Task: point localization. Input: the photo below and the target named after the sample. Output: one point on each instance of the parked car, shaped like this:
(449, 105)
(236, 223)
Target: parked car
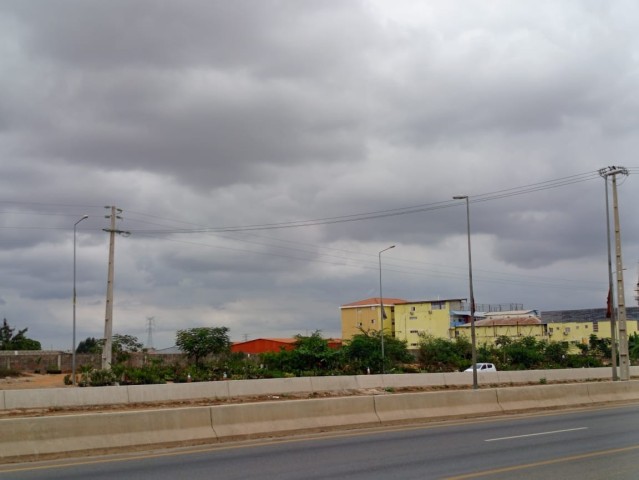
(483, 367)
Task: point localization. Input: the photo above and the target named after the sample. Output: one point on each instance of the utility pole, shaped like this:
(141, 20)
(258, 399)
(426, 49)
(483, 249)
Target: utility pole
(108, 318)
(610, 307)
(624, 362)
(150, 323)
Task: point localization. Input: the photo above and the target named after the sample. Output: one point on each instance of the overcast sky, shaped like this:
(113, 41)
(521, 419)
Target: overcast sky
(264, 152)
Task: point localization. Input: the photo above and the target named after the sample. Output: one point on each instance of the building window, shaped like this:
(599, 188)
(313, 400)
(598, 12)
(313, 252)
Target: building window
(413, 331)
(373, 320)
(438, 305)
(412, 309)
(595, 326)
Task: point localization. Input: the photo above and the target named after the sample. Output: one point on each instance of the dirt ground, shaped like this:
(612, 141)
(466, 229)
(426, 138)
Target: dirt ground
(33, 380)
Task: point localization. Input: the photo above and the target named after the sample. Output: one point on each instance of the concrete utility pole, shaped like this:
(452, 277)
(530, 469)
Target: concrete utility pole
(624, 361)
(150, 323)
(610, 307)
(108, 318)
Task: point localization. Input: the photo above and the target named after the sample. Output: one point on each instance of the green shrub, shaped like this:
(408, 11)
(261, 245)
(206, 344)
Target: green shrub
(9, 372)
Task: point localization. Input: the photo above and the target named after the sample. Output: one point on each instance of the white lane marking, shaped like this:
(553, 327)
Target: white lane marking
(535, 434)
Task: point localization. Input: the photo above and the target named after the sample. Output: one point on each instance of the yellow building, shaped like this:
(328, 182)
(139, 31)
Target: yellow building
(365, 316)
(428, 317)
(513, 324)
(572, 326)
(408, 320)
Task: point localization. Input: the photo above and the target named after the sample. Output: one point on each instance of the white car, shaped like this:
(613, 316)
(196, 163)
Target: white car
(483, 367)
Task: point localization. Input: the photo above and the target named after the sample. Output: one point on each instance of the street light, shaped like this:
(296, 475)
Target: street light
(381, 303)
(472, 298)
(75, 225)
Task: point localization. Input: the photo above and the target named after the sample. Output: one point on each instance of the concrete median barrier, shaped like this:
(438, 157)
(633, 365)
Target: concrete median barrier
(177, 391)
(27, 437)
(415, 406)
(269, 386)
(542, 396)
(293, 415)
(613, 391)
(65, 397)
(339, 383)
(414, 380)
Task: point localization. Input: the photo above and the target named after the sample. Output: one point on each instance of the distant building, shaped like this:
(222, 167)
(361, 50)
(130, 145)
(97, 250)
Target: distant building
(427, 317)
(573, 326)
(492, 325)
(365, 315)
(578, 325)
(450, 318)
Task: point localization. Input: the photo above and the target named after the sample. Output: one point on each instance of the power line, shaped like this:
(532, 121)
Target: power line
(510, 192)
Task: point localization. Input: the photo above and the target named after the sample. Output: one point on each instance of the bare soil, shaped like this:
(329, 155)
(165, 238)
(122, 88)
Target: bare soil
(33, 380)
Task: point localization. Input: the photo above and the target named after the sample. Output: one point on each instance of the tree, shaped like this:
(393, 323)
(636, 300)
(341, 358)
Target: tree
(311, 356)
(18, 341)
(442, 355)
(199, 342)
(90, 345)
(363, 352)
(123, 345)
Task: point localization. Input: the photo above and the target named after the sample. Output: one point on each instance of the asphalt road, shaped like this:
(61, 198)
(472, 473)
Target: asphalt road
(586, 444)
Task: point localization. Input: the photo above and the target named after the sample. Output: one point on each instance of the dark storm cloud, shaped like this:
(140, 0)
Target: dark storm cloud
(203, 85)
(202, 114)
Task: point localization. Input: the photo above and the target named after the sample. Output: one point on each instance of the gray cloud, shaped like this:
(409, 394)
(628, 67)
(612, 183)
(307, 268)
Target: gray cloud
(224, 114)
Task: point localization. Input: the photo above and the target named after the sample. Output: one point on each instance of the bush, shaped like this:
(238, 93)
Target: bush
(97, 378)
(9, 372)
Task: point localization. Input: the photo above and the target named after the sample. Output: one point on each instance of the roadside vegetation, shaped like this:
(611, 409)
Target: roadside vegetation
(12, 340)
(208, 357)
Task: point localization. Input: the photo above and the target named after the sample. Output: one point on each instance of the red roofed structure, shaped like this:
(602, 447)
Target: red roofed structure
(274, 345)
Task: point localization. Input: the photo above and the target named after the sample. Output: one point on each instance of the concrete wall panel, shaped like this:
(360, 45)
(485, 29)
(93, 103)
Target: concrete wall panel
(414, 380)
(65, 397)
(543, 396)
(69, 433)
(269, 386)
(276, 417)
(334, 384)
(415, 406)
(613, 391)
(178, 391)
